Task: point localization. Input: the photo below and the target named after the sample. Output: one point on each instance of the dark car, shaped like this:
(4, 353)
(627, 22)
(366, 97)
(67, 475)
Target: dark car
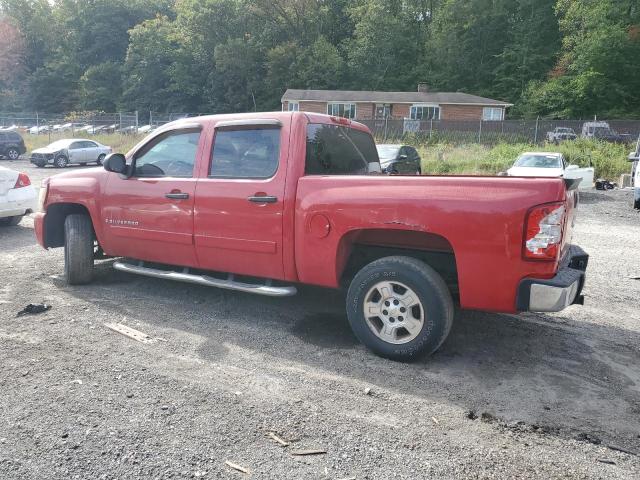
(399, 159)
(11, 145)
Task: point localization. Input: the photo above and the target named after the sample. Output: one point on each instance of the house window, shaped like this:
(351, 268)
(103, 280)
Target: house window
(347, 110)
(293, 107)
(425, 112)
(495, 114)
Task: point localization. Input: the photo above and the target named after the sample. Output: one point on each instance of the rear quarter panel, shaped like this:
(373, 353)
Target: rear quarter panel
(482, 218)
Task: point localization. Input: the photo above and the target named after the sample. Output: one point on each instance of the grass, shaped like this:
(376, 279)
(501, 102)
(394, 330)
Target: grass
(609, 160)
(119, 143)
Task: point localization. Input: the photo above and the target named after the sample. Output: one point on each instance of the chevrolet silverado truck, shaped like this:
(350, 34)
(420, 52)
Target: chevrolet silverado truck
(262, 202)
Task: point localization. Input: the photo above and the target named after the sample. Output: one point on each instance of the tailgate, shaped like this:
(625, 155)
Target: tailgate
(571, 203)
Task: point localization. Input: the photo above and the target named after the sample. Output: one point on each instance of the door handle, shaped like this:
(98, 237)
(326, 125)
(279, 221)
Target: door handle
(177, 196)
(263, 199)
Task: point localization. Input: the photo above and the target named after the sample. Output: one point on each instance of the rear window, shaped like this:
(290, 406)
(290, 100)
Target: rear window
(337, 150)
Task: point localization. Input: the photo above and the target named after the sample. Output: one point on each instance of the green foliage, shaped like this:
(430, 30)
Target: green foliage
(557, 58)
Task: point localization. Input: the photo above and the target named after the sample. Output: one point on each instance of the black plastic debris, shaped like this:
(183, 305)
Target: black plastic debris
(34, 309)
(602, 184)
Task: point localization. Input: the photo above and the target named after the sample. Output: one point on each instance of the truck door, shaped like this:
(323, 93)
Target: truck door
(238, 224)
(149, 215)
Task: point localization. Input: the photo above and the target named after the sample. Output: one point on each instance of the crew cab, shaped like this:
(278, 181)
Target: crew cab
(262, 202)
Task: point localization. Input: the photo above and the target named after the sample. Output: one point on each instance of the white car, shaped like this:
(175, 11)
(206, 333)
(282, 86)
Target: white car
(17, 196)
(550, 164)
(74, 150)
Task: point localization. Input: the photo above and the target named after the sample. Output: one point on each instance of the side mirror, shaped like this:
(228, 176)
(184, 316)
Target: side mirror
(116, 163)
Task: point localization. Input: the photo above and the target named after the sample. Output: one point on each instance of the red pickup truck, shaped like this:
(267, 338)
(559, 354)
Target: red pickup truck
(261, 202)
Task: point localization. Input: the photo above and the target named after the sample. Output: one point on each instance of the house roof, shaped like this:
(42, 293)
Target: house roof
(450, 98)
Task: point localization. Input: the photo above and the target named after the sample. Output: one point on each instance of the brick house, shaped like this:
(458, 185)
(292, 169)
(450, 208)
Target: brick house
(420, 105)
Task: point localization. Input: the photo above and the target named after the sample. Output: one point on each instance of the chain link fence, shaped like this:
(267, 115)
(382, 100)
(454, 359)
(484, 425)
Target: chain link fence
(494, 132)
(70, 124)
(385, 130)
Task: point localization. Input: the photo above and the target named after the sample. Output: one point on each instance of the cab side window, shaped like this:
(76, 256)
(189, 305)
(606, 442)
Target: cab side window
(337, 150)
(76, 146)
(172, 154)
(246, 153)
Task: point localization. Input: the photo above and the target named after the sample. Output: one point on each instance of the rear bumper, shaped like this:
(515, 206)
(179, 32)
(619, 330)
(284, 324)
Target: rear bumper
(18, 201)
(557, 293)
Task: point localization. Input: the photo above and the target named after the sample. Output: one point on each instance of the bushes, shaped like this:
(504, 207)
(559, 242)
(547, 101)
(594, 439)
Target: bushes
(609, 160)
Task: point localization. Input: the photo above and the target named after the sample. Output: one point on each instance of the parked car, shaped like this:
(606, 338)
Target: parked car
(550, 164)
(75, 150)
(602, 131)
(399, 159)
(11, 145)
(288, 197)
(561, 134)
(37, 130)
(17, 196)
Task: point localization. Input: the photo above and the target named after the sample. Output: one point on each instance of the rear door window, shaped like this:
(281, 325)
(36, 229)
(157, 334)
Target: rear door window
(337, 150)
(246, 153)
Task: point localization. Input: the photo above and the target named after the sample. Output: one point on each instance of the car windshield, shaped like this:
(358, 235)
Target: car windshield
(538, 161)
(565, 130)
(387, 151)
(59, 144)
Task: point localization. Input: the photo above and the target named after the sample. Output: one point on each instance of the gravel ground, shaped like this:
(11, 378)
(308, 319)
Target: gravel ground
(555, 396)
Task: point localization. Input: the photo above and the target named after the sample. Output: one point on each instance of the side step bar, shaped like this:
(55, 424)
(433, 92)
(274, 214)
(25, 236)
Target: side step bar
(184, 276)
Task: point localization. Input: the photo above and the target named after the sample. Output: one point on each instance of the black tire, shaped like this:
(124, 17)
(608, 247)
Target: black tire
(13, 154)
(11, 221)
(636, 204)
(100, 159)
(419, 171)
(78, 249)
(60, 161)
(431, 291)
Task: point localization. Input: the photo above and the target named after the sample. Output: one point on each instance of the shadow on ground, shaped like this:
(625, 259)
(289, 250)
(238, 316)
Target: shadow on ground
(556, 372)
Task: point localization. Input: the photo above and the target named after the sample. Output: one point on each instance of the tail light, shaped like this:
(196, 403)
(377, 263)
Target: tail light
(543, 232)
(22, 181)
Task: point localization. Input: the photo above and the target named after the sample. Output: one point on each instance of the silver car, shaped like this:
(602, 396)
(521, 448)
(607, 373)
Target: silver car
(64, 152)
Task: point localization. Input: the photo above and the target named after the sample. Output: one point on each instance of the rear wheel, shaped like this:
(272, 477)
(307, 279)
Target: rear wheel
(400, 308)
(13, 154)
(11, 221)
(61, 161)
(78, 249)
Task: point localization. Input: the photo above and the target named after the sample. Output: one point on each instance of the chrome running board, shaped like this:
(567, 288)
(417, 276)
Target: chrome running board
(184, 276)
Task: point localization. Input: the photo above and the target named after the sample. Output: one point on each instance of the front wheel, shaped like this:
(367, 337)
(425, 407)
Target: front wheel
(78, 249)
(400, 308)
(61, 161)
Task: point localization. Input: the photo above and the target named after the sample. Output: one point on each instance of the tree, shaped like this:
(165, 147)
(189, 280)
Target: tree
(147, 70)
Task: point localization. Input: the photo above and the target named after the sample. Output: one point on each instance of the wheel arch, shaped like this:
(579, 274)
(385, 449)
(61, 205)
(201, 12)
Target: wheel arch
(54, 222)
(358, 248)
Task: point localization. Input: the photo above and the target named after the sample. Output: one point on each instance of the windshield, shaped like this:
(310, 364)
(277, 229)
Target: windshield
(538, 161)
(59, 144)
(387, 152)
